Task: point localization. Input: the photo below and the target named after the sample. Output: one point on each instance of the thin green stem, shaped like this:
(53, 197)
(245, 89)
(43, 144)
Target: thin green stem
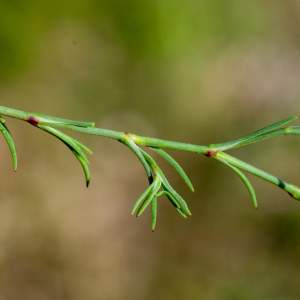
(138, 140)
(13, 113)
(117, 135)
(36, 118)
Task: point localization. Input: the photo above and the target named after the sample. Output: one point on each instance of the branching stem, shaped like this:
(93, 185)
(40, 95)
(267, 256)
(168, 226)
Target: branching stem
(157, 179)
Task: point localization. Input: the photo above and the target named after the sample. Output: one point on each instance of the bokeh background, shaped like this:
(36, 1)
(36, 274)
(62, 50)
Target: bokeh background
(192, 71)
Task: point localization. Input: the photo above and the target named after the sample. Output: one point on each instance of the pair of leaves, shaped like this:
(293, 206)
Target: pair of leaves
(291, 130)
(291, 189)
(137, 151)
(259, 135)
(75, 146)
(41, 119)
(244, 179)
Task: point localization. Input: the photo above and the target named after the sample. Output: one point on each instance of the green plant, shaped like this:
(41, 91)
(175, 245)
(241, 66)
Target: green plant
(158, 184)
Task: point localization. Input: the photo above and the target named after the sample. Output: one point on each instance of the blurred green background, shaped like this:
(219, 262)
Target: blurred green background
(192, 71)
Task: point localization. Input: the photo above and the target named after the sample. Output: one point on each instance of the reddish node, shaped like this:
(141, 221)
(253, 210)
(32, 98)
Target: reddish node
(33, 120)
(210, 153)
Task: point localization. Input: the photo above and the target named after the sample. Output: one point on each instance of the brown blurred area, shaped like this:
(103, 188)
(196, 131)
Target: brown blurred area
(192, 71)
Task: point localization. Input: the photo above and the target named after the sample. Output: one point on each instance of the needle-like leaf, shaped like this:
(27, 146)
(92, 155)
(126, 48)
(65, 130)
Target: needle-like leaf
(81, 146)
(137, 203)
(51, 121)
(66, 139)
(244, 178)
(137, 151)
(149, 197)
(74, 146)
(176, 166)
(154, 211)
(181, 212)
(291, 189)
(84, 166)
(9, 139)
(240, 141)
(174, 193)
(291, 130)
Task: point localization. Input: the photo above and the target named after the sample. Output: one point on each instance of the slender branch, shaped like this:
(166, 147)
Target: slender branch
(138, 140)
(156, 178)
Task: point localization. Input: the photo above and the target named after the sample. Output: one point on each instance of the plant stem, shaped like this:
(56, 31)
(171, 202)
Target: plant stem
(133, 141)
(14, 113)
(139, 140)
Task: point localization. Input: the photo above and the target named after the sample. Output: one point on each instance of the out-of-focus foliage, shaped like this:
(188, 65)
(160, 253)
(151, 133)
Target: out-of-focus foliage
(193, 71)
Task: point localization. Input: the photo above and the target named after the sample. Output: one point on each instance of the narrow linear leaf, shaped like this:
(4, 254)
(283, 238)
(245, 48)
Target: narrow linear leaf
(236, 143)
(81, 146)
(149, 160)
(69, 142)
(138, 152)
(11, 144)
(291, 130)
(66, 139)
(154, 211)
(51, 121)
(84, 166)
(175, 194)
(149, 197)
(181, 212)
(176, 166)
(291, 189)
(244, 178)
(137, 203)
